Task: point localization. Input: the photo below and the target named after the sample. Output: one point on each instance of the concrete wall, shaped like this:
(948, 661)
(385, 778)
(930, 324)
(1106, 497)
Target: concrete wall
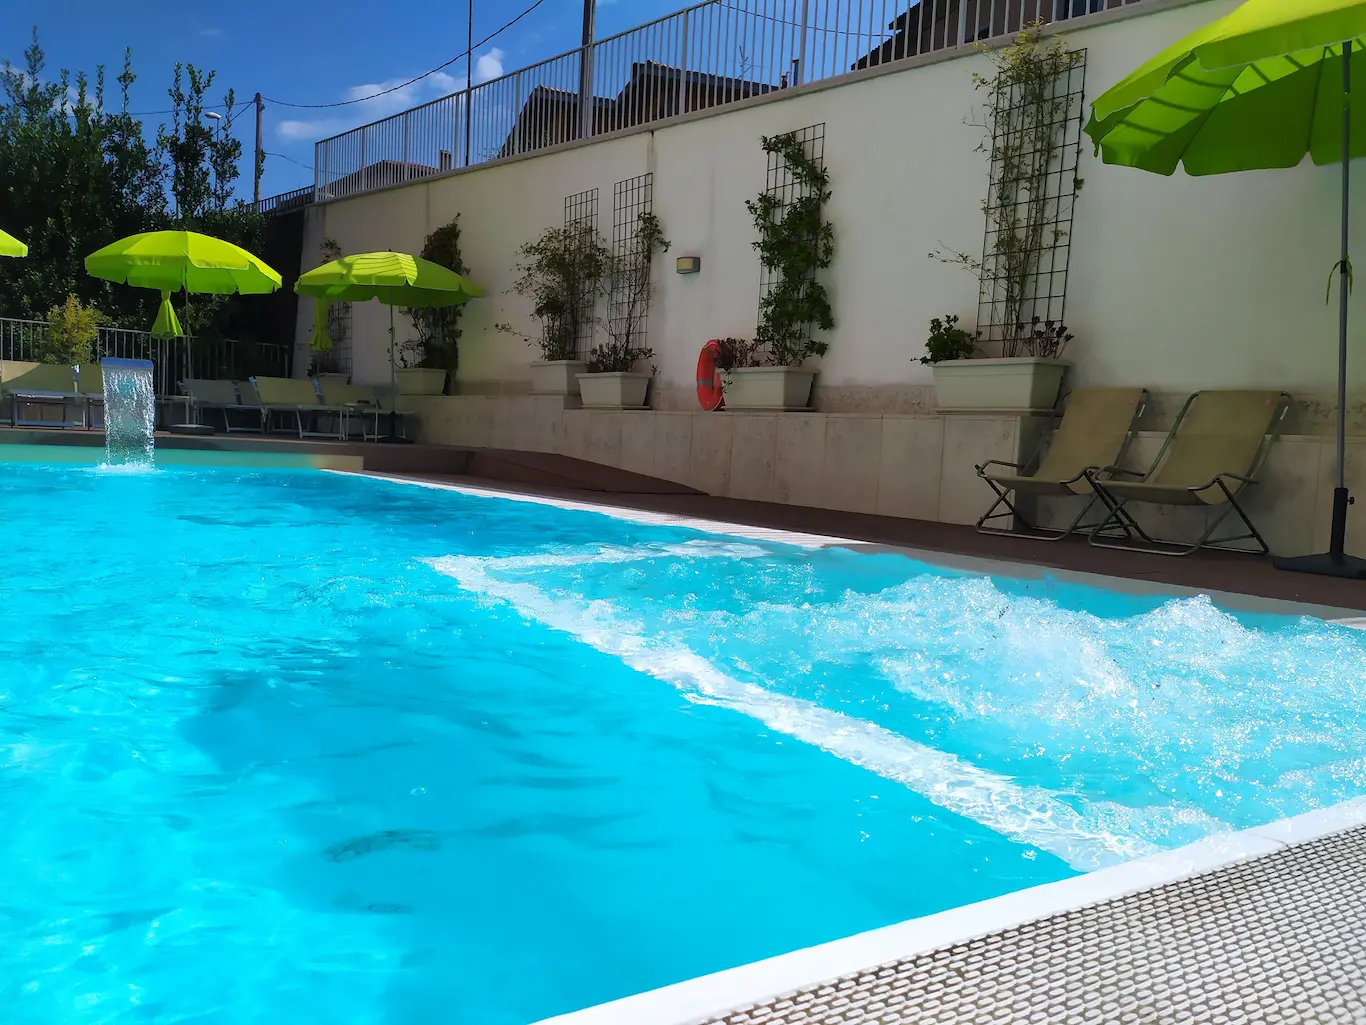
(918, 466)
(1176, 283)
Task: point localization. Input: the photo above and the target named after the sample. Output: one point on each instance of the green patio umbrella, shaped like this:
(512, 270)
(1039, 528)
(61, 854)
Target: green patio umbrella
(174, 261)
(11, 246)
(1259, 88)
(395, 279)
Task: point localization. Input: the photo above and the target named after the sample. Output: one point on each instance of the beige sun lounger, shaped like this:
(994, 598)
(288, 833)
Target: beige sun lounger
(44, 385)
(297, 397)
(1213, 452)
(364, 403)
(90, 386)
(1096, 428)
(205, 394)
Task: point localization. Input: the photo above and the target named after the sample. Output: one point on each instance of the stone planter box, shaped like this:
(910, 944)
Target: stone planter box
(557, 376)
(1018, 384)
(774, 388)
(613, 391)
(421, 381)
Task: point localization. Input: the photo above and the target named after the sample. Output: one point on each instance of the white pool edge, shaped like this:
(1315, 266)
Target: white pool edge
(711, 996)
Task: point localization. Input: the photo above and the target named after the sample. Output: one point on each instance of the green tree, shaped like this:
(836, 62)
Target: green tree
(76, 175)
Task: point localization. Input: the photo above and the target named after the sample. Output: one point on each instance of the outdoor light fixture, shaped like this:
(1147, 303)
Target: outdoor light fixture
(689, 264)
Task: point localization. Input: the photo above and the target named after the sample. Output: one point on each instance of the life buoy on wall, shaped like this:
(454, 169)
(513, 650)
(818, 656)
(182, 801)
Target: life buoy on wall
(709, 377)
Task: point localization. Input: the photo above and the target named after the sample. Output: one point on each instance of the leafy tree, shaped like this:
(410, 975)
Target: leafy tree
(76, 175)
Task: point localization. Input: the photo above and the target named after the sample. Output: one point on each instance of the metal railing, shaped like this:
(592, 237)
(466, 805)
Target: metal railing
(713, 53)
(286, 202)
(173, 359)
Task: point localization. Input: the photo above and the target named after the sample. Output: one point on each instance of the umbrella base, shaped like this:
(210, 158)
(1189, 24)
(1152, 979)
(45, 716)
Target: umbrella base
(1347, 567)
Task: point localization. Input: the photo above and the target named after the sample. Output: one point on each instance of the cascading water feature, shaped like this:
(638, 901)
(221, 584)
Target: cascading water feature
(130, 409)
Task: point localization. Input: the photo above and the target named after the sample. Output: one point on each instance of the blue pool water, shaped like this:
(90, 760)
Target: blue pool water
(297, 747)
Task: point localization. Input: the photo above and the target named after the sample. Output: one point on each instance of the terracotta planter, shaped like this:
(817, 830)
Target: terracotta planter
(767, 388)
(421, 381)
(1019, 384)
(557, 376)
(613, 391)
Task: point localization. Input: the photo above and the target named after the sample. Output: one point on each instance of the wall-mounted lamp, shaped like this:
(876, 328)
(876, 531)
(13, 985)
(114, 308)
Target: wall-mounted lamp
(688, 264)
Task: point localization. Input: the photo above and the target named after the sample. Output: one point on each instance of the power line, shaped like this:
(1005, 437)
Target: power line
(393, 89)
(306, 167)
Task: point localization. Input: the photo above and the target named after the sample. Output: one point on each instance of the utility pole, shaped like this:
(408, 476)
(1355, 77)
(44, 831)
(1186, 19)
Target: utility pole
(259, 159)
(586, 72)
(469, 80)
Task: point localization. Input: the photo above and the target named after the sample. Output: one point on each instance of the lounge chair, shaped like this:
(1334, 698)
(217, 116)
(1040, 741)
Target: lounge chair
(388, 402)
(298, 398)
(45, 385)
(90, 386)
(1215, 449)
(356, 402)
(204, 395)
(1096, 428)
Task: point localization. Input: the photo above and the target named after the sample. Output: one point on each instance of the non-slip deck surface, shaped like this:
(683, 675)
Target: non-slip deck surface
(1278, 939)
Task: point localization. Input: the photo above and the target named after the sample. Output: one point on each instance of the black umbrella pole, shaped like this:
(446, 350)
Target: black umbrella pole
(1337, 562)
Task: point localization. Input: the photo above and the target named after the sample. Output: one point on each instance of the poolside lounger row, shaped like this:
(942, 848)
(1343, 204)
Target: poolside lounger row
(1213, 452)
(327, 409)
(30, 387)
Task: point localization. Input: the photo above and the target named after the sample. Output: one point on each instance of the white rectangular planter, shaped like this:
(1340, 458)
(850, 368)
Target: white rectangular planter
(557, 377)
(420, 381)
(613, 391)
(767, 388)
(1017, 384)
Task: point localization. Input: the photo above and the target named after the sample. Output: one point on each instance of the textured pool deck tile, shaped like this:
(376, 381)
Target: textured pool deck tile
(1276, 939)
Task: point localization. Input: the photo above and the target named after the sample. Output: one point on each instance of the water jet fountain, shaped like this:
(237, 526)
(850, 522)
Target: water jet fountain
(130, 412)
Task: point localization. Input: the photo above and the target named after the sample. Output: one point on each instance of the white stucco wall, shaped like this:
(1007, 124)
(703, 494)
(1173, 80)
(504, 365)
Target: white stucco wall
(1176, 283)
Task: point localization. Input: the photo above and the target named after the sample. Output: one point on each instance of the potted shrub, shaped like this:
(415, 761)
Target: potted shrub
(1027, 378)
(428, 361)
(795, 243)
(1029, 100)
(611, 380)
(562, 273)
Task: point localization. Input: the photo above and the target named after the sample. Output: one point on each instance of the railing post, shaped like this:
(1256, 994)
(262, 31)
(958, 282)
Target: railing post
(586, 72)
(681, 107)
(799, 73)
(962, 22)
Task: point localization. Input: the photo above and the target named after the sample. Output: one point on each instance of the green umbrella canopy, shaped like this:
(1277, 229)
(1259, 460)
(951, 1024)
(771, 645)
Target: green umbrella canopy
(1259, 88)
(395, 279)
(11, 246)
(170, 261)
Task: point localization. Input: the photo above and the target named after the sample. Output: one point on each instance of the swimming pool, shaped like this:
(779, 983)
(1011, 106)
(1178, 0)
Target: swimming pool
(295, 746)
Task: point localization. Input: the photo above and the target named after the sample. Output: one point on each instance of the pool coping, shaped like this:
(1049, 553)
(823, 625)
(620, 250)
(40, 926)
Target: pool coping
(708, 997)
(1017, 570)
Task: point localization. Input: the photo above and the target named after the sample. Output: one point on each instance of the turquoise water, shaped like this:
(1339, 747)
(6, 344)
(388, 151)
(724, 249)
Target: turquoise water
(291, 746)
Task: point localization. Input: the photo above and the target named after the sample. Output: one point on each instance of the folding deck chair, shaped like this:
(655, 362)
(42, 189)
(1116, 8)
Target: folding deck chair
(1215, 450)
(1096, 429)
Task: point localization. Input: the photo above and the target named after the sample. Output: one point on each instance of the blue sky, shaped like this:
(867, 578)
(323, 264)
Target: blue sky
(295, 52)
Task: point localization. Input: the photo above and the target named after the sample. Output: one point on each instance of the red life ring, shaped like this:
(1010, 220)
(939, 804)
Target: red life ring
(709, 377)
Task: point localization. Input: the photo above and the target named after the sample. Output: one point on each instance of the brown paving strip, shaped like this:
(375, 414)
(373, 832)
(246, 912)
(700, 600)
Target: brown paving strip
(1208, 571)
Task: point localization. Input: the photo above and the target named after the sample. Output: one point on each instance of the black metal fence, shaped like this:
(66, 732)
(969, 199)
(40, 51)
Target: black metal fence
(173, 359)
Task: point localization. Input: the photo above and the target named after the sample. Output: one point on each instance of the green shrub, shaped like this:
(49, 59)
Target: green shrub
(72, 330)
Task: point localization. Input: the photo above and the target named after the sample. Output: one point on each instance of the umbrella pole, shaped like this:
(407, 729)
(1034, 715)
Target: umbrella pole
(393, 380)
(1340, 497)
(1336, 562)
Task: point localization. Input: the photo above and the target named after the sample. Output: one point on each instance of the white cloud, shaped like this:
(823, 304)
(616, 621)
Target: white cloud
(304, 131)
(489, 66)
